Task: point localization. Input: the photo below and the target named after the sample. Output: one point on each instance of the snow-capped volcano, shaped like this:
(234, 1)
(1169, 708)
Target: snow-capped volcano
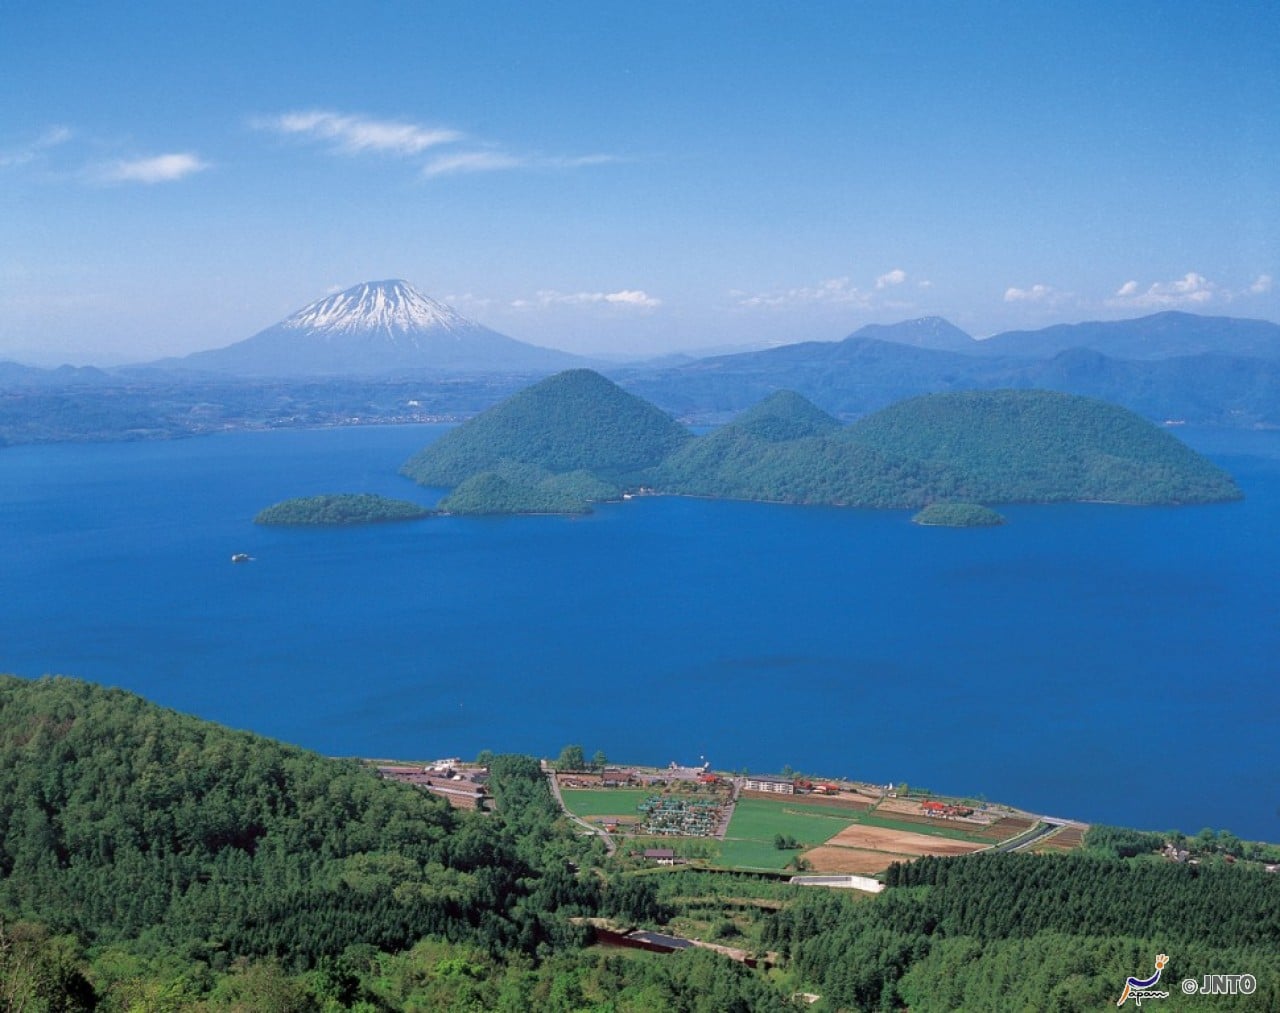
(378, 327)
(390, 307)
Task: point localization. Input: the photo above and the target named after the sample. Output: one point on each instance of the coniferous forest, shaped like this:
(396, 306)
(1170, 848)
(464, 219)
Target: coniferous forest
(153, 861)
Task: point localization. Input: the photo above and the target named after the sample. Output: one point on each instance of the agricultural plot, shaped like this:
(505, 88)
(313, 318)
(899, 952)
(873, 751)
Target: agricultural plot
(851, 861)
(901, 842)
(589, 802)
(1003, 829)
(749, 842)
(1066, 839)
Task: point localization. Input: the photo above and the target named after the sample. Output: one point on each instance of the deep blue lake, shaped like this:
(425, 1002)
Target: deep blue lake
(1105, 663)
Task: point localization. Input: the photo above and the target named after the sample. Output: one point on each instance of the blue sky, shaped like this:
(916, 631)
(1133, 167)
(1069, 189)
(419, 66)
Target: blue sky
(631, 179)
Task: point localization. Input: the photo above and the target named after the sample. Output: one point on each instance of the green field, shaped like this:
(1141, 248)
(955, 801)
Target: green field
(586, 802)
(756, 821)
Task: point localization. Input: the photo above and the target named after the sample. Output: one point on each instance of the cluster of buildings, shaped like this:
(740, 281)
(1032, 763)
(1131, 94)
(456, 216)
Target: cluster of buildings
(944, 810)
(462, 788)
(788, 785)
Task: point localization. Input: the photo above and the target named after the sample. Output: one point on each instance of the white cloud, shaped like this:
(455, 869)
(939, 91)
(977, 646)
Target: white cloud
(157, 169)
(895, 277)
(1261, 284)
(470, 161)
(352, 134)
(468, 300)
(494, 161)
(1034, 294)
(355, 135)
(51, 138)
(628, 297)
(1191, 289)
(833, 290)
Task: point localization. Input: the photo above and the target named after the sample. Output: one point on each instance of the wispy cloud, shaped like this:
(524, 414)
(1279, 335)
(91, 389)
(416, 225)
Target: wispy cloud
(156, 169)
(1261, 284)
(496, 161)
(354, 135)
(633, 298)
(470, 161)
(839, 291)
(833, 290)
(1191, 289)
(29, 152)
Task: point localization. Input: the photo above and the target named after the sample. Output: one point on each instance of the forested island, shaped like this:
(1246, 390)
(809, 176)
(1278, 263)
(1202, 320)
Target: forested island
(150, 860)
(958, 515)
(340, 510)
(576, 438)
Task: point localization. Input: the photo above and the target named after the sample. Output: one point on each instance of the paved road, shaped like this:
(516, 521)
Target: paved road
(610, 844)
(1027, 839)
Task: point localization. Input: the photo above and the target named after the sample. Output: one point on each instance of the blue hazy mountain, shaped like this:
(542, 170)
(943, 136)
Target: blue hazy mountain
(1159, 336)
(1171, 365)
(923, 332)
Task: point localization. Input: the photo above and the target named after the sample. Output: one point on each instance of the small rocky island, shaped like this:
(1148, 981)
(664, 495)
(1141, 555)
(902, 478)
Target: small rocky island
(958, 515)
(340, 510)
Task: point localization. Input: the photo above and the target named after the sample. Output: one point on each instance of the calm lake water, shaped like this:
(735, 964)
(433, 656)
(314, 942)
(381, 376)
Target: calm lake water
(1105, 663)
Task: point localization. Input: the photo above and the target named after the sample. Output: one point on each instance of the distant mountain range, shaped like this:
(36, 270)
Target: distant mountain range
(1214, 370)
(1167, 366)
(375, 328)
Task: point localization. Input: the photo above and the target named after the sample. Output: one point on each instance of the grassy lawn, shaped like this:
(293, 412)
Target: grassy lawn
(605, 801)
(755, 823)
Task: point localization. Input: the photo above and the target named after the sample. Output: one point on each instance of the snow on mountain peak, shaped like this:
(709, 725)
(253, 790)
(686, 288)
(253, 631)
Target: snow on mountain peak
(388, 307)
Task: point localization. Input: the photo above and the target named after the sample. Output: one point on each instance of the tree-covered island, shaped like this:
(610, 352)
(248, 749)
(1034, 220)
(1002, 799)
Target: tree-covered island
(958, 515)
(340, 510)
(577, 439)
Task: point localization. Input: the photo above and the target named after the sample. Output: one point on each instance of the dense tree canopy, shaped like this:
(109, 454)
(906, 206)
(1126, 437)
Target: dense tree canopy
(576, 439)
(339, 509)
(573, 421)
(149, 860)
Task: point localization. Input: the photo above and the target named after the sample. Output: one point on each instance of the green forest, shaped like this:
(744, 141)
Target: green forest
(573, 421)
(153, 861)
(340, 509)
(978, 447)
(527, 489)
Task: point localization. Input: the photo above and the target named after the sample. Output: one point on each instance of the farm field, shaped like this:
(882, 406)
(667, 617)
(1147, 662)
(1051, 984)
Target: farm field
(851, 861)
(756, 822)
(928, 827)
(1066, 839)
(1003, 829)
(901, 842)
(587, 802)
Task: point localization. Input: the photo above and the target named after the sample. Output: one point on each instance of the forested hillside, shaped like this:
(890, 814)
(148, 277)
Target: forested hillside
(152, 861)
(576, 439)
(1040, 446)
(119, 819)
(572, 421)
(1014, 931)
(339, 510)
